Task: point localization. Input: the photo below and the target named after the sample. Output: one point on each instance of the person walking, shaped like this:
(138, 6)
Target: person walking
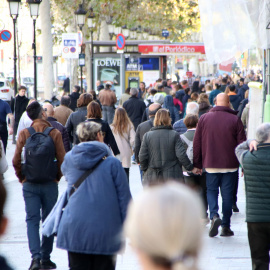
(163, 226)
(134, 107)
(217, 135)
(74, 96)
(195, 181)
(107, 99)
(192, 108)
(94, 115)
(124, 97)
(48, 108)
(66, 85)
(142, 129)
(5, 112)
(43, 155)
(234, 98)
(95, 240)
(77, 117)
(18, 106)
(124, 134)
(204, 104)
(162, 153)
(62, 112)
(254, 157)
(169, 104)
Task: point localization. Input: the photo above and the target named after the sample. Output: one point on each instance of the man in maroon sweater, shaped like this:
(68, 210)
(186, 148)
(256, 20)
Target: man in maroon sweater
(217, 135)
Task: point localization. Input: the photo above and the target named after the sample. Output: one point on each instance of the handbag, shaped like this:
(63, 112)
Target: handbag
(3, 159)
(51, 224)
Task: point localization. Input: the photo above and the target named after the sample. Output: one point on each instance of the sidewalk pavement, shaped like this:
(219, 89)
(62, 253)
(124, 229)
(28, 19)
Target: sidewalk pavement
(217, 253)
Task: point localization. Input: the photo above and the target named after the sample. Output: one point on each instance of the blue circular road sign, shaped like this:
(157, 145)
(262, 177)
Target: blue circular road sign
(5, 35)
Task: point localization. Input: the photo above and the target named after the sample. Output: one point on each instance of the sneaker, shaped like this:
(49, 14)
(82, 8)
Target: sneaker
(216, 222)
(35, 264)
(235, 208)
(226, 232)
(47, 265)
(134, 162)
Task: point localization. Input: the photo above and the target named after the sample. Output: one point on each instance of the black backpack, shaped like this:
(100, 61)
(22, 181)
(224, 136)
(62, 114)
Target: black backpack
(40, 164)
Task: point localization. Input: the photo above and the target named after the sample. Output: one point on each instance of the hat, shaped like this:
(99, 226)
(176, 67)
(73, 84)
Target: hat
(159, 98)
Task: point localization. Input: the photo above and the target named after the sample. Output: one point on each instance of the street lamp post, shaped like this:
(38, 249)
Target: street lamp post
(14, 6)
(34, 12)
(91, 25)
(80, 18)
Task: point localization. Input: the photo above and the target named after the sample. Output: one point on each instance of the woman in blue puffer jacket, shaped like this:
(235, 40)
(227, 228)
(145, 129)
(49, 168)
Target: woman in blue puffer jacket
(92, 221)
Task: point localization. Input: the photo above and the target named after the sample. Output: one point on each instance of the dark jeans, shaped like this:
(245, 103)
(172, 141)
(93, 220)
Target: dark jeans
(259, 243)
(127, 173)
(226, 182)
(141, 173)
(198, 183)
(108, 114)
(79, 261)
(15, 129)
(4, 134)
(39, 197)
(235, 188)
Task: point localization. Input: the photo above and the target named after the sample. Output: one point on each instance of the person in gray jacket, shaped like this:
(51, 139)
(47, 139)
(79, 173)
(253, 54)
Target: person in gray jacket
(254, 157)
(162, 152)
(179, 126)
(142, 129)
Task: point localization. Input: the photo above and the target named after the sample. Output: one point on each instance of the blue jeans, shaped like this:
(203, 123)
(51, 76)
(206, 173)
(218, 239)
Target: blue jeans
(39, 197)
(108, 114)
(226, 182)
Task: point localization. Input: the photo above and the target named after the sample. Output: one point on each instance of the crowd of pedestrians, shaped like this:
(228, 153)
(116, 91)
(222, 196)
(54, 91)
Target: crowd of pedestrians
(173, 131)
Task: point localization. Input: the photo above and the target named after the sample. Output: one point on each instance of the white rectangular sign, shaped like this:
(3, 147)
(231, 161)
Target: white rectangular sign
(150, 77)
(70, 47)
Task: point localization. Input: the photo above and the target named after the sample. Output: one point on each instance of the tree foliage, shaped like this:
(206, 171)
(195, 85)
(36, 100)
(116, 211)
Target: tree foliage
(180, 17)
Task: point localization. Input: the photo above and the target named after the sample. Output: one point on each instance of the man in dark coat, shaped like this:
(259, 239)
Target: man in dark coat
(217, 135)
(257, 184)
(18, 106)
(134, 107)
(143, 128)
(63, 130)
(234, 98)
(74, 96)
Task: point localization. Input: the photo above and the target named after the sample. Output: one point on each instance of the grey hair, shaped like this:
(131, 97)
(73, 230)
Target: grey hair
(87, 131)
(263, 132)
(192, 108)
(134, 91)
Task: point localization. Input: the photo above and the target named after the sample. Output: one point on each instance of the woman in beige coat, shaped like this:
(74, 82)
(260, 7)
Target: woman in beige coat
(124, 134)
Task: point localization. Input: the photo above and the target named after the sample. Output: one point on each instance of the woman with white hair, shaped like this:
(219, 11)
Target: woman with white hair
(175, 239)
(93, 217)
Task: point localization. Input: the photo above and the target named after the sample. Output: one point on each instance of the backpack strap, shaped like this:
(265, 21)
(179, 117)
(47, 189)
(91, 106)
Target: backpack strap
(48, 130)
(31, 131)
(185, 139)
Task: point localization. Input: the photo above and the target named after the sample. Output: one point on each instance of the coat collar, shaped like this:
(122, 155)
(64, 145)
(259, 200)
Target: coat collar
(161, 127)
(263, 145)
(223, 109)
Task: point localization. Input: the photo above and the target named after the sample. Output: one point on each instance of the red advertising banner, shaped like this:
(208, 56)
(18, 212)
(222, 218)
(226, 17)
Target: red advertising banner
(172, 49)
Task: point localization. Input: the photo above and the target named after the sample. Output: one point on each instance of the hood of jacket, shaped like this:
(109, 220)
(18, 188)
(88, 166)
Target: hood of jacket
(86, 155)
(168, 101)
(234, 98)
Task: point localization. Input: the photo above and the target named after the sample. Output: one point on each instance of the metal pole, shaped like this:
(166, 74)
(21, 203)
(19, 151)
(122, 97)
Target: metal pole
(92, 63)
(35, 60)
(81, 75)
(15, 58)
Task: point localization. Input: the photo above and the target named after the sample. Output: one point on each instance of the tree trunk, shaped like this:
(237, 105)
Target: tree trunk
(47, 49)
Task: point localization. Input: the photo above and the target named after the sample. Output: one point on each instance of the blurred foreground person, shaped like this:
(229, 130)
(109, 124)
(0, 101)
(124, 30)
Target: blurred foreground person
(175, 239)
(92, 220)
(162, 153)
(3, 221)
(257, 184)
(124, 134)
